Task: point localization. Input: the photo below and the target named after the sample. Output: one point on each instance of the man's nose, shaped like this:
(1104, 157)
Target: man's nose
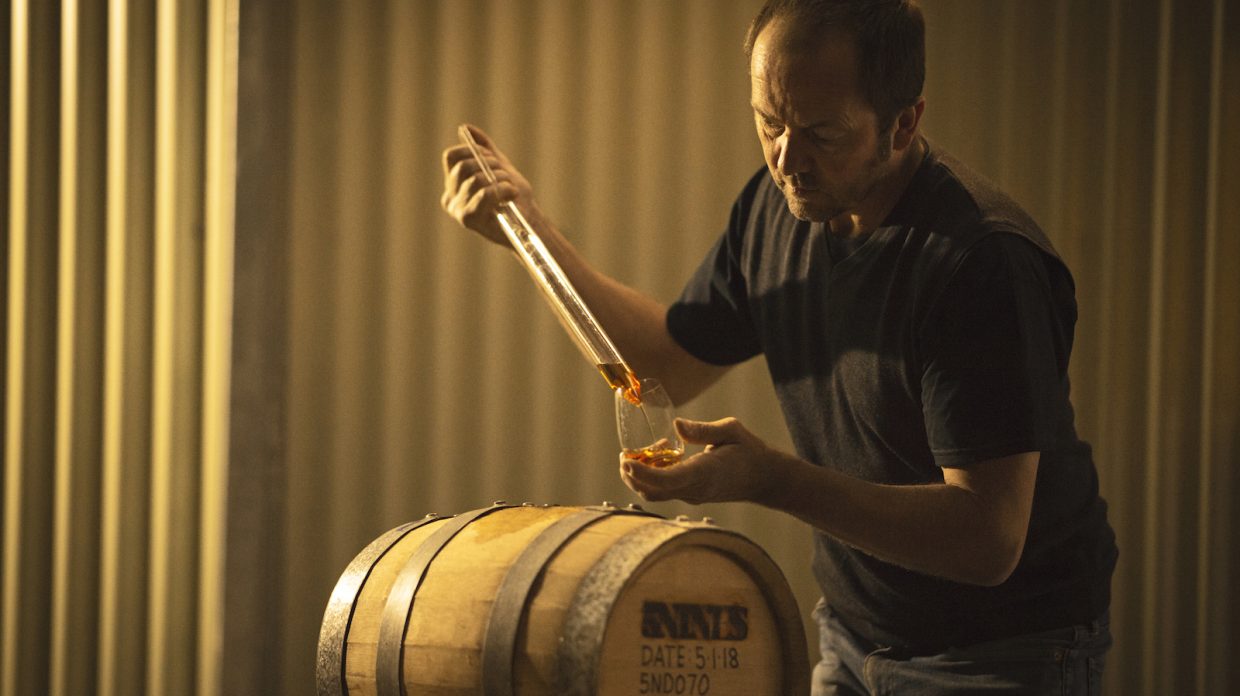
(793, 159)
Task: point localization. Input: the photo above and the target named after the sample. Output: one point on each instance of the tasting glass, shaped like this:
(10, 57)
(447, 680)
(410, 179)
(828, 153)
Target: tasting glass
(646, 431)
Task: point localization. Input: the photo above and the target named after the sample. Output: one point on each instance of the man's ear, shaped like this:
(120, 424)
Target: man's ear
(906, 125)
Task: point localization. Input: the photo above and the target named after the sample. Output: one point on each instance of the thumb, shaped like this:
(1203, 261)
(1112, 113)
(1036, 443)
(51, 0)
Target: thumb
(709, 433)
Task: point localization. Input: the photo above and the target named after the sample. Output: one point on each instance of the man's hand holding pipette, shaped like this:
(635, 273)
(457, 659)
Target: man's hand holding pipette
(634, 319)
(470, 197)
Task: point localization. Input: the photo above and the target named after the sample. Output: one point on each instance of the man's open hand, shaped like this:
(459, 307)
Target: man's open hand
(735, 466)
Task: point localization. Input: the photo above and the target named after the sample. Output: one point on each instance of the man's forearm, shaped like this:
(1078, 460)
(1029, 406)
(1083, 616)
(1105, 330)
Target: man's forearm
(938, 529)
(635, 322)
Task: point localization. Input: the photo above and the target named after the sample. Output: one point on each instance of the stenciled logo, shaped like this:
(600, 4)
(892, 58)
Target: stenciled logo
(688, 621)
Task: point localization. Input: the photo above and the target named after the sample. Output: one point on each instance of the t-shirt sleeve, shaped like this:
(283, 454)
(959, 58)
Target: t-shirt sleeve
(997, 344)
(711, 319)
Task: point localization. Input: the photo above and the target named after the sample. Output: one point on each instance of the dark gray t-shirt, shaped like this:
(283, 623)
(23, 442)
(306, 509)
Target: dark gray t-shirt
(941, 341)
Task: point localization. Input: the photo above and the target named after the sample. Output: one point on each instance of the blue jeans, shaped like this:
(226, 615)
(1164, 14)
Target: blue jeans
(1066, 661)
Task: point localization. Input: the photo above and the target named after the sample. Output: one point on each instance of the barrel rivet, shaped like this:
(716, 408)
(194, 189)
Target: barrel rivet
(708, 520)
(527, 504)
(634, 506)
(682, 518)
(431, 515)
(608, 504)
(499, 502)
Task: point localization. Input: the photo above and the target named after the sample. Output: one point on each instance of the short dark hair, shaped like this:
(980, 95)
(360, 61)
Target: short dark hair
(890, 40)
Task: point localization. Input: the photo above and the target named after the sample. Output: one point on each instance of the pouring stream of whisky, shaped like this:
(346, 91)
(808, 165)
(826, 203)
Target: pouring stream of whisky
(619, 376)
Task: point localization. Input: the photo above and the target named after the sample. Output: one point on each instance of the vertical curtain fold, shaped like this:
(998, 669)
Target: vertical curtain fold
(127, 351)
(222, 33)
(30, 373)
(75, 581)
(1217, 612)
(104, 372)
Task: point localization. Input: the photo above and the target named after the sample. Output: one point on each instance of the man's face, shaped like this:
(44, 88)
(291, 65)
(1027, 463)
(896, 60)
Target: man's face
(818, 134)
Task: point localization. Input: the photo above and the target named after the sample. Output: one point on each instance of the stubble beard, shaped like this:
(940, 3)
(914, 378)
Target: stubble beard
(831, 206)
(804, 209)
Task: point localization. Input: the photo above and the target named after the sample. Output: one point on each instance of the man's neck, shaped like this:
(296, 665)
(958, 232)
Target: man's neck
(879, 204)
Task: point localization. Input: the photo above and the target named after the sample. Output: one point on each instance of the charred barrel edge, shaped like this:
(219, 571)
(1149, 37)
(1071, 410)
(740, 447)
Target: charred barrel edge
(333, 637)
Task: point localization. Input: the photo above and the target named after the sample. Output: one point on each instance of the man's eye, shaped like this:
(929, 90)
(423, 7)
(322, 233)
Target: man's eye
(771, 127)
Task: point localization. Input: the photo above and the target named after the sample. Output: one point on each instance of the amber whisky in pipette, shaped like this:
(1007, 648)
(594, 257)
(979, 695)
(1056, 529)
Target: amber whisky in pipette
(619, 376)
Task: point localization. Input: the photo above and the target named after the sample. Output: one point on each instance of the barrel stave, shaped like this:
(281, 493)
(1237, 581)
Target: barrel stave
(631, 559)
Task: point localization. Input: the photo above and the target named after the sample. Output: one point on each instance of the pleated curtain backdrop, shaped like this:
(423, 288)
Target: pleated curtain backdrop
(117, 287)
(198, 441)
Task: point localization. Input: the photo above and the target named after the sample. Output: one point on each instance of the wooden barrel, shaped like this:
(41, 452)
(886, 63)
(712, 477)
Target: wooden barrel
(524, 599)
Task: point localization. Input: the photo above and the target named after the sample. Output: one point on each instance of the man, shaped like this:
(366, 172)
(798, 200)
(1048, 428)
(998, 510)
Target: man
(917, 325)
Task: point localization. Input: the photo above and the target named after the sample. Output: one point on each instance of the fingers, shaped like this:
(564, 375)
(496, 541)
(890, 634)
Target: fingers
(485, 141)
(460, 165)
(729, 468)
(479, 135)
(720, 432)
(467, 181)
(476, 209)
(466, 191)
(464, 179)
(644, 491)
(656, 484)
(636, 483)
(456, 153)
(469, 195)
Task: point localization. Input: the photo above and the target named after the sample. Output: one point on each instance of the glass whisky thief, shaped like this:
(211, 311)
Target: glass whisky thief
(644, 412)
(569, 308)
